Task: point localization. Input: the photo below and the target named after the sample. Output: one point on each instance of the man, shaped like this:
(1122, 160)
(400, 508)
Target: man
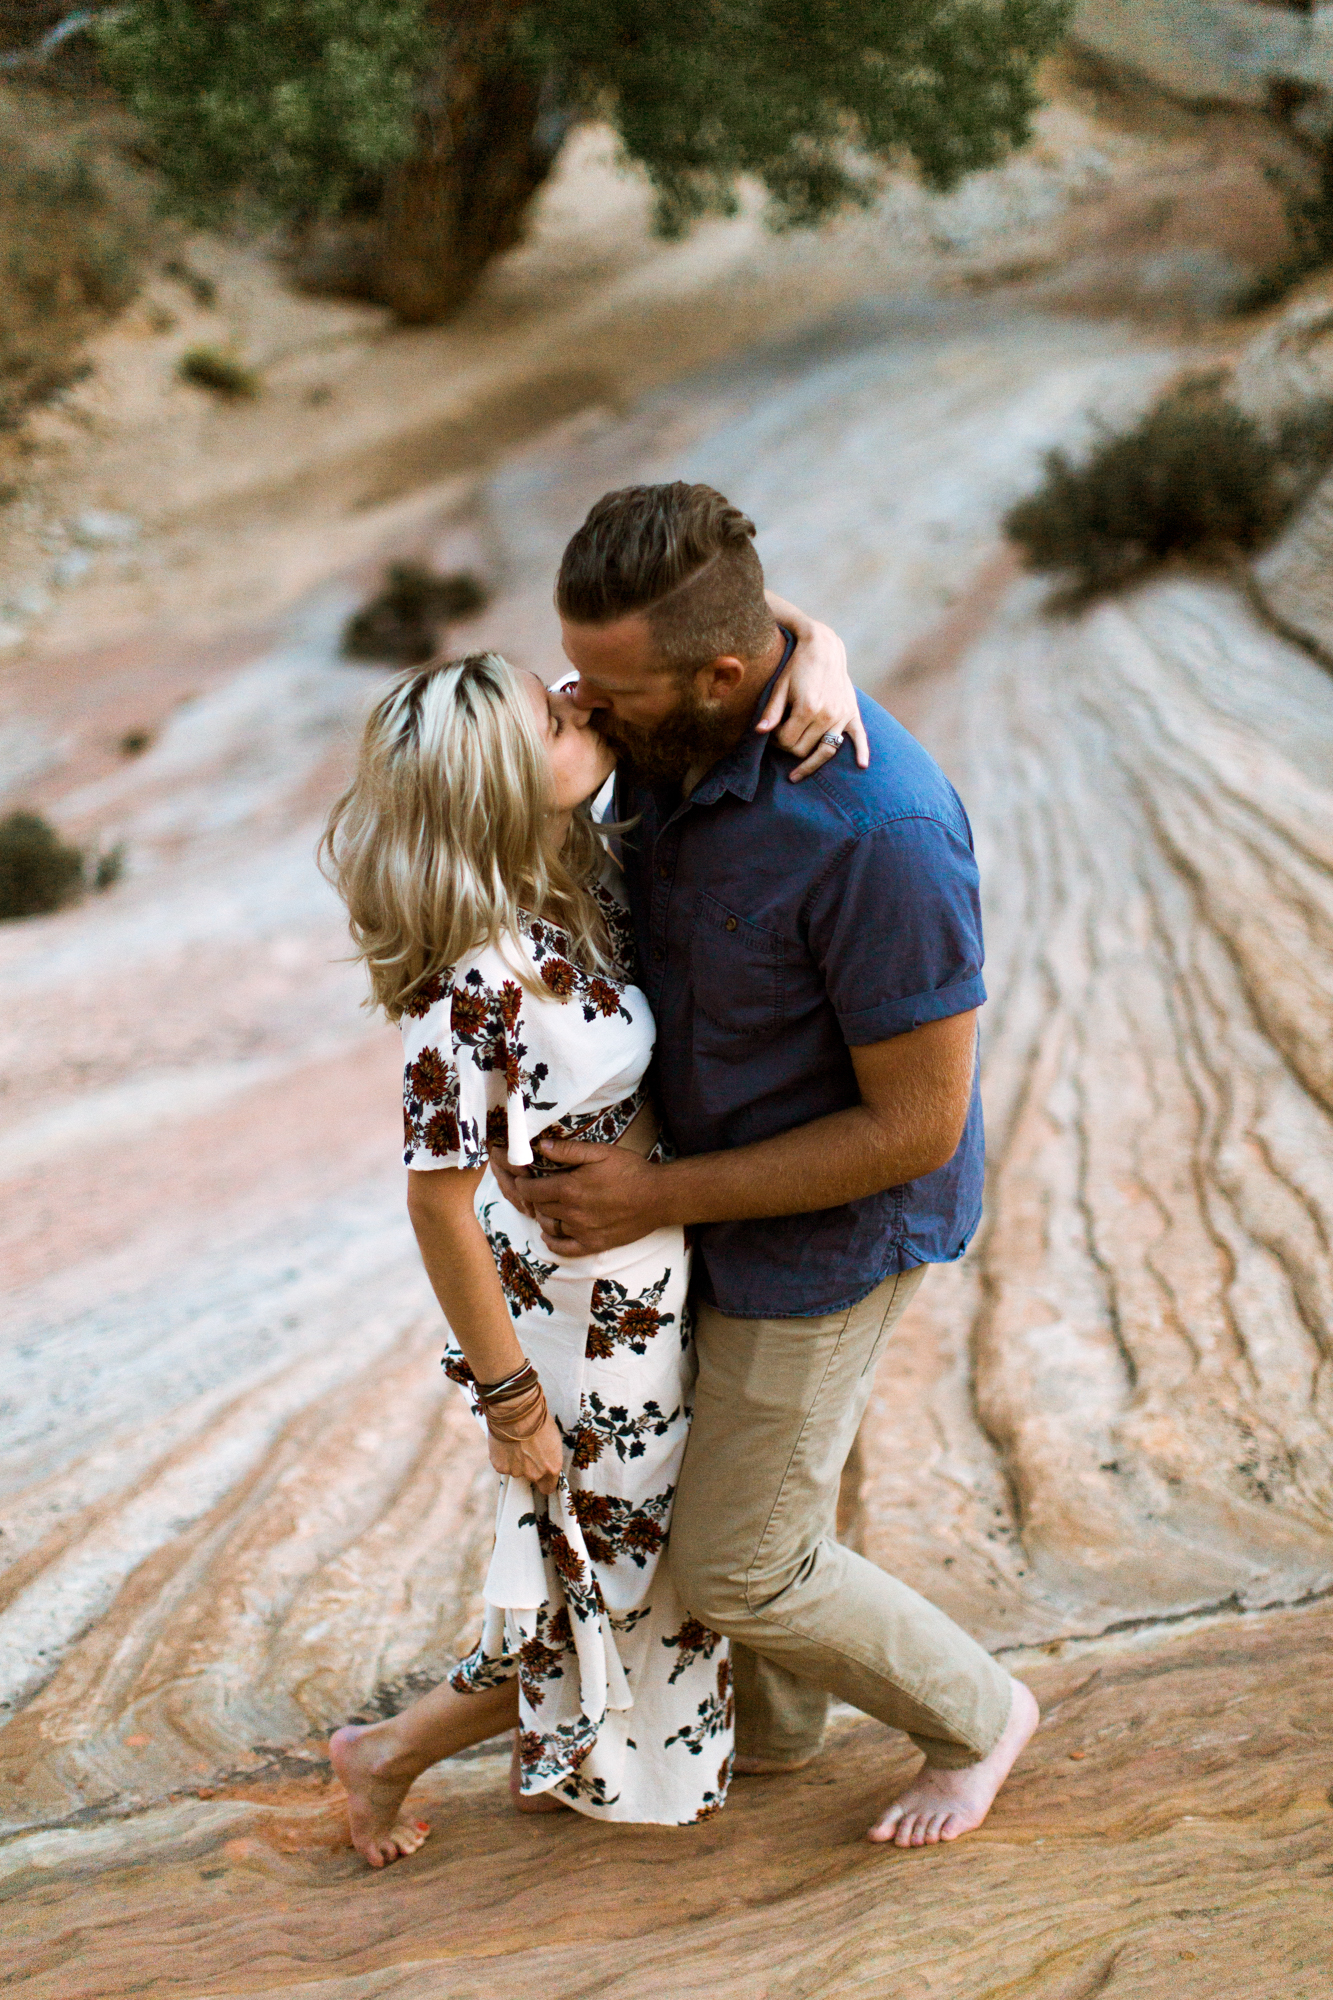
(813, 954)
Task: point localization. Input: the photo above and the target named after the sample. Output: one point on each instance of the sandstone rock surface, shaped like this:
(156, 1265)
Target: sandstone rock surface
(240, 1504)
(1169, 1834)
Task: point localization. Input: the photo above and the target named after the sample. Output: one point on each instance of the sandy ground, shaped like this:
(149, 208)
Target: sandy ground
(240, 1504)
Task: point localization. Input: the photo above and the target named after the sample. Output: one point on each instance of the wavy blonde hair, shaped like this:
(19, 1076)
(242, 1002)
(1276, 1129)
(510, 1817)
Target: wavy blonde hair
(444, 835)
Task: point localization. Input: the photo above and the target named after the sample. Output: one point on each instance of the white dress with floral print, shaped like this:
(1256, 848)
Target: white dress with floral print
(625, 1708)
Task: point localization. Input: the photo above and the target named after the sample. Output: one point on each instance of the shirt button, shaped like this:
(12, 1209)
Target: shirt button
(658, 954)
(731, 923)
(664, 874)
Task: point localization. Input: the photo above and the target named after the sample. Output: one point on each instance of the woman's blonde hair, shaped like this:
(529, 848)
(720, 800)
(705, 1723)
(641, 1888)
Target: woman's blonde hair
(445, 833)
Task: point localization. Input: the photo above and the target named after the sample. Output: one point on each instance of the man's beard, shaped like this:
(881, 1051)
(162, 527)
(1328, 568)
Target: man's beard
(692, 737)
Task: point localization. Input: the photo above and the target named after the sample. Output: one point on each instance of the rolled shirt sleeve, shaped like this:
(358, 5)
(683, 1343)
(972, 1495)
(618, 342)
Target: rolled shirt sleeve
(895, 926)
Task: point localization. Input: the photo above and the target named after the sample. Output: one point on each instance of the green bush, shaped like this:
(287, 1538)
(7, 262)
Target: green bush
(38, 870)
(221, 371)
(1194, 479)
(301, 104)
(405, 620)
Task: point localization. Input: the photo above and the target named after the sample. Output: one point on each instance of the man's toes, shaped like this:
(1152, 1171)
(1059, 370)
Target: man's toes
(885, 1828)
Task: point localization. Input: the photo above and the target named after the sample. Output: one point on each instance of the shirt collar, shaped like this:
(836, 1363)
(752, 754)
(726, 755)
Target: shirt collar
(738, 771)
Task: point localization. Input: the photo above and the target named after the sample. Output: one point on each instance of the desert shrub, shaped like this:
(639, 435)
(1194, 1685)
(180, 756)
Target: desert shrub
(405, 620)
(216, 368)
(76, 229)
(109, 868)
(1195, 478)
(38, 870)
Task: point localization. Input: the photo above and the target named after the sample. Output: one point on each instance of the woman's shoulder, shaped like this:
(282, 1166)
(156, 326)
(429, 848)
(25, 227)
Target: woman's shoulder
(489, 974)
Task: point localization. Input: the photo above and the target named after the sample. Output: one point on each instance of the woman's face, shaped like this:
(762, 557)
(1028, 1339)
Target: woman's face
(580, 761)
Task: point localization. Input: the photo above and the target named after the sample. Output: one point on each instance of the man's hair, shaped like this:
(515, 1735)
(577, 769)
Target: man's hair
(683, 556)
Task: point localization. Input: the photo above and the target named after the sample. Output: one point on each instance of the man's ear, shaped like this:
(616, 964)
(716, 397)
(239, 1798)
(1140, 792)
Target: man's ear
(719, 680)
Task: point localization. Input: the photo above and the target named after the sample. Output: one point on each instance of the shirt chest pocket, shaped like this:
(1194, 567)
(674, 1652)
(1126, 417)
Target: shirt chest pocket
(736, 971)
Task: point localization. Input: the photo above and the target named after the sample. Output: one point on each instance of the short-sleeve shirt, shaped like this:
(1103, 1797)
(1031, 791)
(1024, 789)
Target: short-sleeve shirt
(779, 926)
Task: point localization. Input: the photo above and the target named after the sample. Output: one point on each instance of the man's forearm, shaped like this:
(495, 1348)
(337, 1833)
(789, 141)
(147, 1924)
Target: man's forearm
(840, 1158)
(915, 1091)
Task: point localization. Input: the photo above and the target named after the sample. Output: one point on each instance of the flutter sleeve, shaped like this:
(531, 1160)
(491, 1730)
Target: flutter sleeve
(463, 1073)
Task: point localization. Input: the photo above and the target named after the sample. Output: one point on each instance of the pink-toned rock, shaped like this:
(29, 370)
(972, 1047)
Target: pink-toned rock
(240, 1503)
(1166, 1834)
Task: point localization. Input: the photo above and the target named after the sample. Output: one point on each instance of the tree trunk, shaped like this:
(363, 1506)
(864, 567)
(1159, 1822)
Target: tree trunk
(489, 138)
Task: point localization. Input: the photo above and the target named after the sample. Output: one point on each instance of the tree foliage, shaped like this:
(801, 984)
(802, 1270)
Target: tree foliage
(296, 107)
(301, 102)
(413, 108)
(809, 96)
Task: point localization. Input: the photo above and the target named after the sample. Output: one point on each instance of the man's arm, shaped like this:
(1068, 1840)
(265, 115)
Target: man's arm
(915, 1090)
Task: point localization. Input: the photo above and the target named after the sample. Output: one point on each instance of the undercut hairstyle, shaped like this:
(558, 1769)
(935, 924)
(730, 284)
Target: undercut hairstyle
(445, 833)
(683, 556)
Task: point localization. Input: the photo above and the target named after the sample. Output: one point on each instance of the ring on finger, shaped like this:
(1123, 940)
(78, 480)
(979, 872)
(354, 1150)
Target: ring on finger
(833, 737)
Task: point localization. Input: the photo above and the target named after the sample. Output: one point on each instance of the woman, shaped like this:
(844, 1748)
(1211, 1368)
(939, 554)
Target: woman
(484, 903)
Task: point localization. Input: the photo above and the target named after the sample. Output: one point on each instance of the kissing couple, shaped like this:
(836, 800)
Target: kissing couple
(690, 1108)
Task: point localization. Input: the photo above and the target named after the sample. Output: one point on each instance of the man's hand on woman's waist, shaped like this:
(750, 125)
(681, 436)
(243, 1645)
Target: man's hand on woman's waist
(915, 1091)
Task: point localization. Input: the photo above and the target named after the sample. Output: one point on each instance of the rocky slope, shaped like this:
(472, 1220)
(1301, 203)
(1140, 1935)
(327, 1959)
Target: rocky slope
(240, 1504)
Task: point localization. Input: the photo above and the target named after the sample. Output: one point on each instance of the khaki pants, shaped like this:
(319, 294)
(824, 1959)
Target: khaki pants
(753, 1554)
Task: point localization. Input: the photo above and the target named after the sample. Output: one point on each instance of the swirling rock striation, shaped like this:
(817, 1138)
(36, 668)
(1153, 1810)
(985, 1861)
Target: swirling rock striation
(240, 1504)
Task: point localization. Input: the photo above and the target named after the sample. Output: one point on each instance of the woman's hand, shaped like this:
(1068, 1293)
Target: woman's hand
(818, 689)
(539, 1459)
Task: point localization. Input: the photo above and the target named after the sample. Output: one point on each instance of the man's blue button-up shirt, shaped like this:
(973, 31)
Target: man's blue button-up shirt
(778, 925)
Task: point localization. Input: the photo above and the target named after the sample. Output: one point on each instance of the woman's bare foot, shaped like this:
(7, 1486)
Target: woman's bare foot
(939, 1804)
(541, 1802)
(376, 1786)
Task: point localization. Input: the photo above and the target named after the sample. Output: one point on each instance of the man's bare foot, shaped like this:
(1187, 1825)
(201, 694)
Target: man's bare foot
(540, 1802)
(375, 1792)
(766, 1767)
(939, 1804)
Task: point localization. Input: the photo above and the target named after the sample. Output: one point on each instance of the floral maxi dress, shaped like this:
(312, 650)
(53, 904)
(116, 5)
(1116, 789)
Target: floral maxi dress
(625, 1709)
